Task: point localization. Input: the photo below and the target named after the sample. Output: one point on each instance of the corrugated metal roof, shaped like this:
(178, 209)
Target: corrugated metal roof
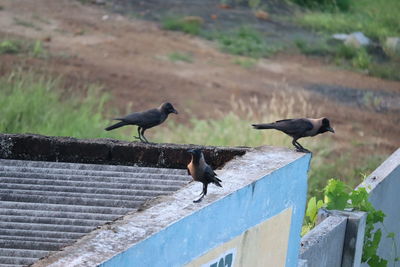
(47, 205)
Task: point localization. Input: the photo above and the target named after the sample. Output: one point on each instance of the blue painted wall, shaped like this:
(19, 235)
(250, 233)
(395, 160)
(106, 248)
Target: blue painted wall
(225, 219)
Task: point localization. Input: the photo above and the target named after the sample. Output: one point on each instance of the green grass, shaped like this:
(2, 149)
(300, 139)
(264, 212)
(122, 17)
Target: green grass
(37, 49)
(385, 71)
(246, 63)
(376, 19)
(183, 24)
(34, 49)
(244, 41)
(327, 5)
(32, 103)
(10, 47)
(179, 56)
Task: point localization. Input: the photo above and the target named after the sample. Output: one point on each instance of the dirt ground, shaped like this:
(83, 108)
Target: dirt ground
(129, 57)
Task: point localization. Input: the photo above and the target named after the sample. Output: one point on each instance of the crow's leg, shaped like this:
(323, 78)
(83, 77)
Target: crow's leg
(203, 193)
(205, 189)
(198, 200)
(301, 148)
(144, 138)
(297, 145)
(138, 131)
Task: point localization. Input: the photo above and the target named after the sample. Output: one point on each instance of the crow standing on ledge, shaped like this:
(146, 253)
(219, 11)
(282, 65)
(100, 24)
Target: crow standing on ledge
(201, 172)
(298, 128)
(145, 120)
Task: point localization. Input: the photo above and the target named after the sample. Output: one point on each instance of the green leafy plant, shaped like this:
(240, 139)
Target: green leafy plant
(338, 196)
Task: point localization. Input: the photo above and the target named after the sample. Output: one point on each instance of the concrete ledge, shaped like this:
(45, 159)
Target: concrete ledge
(323, 245)
(108, 151)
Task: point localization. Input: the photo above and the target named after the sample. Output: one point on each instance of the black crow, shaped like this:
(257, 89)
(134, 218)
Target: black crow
(298, 128)
(145, 120)
(201, 172)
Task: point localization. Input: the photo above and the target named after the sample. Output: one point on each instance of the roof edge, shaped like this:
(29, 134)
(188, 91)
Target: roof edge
(108, 151)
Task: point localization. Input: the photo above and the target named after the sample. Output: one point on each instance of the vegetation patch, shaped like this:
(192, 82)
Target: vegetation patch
(376, 19)
(361, 59)
(188, 25)
(10, 47)
(246, 63)
(244, 41)
(179, 56)
(33, 103)
(329, 5)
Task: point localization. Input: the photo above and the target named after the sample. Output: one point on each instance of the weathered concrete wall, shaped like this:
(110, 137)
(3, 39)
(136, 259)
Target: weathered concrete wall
(108, 151)
(384, 187)
(323, 245)
(352, 245)
(264, 186)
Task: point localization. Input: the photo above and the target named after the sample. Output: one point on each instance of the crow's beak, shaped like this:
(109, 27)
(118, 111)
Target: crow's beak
(175, 111)
(331, 129)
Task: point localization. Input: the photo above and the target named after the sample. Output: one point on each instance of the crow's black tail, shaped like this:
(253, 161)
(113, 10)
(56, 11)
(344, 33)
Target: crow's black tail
(264, 126)
(115, 126)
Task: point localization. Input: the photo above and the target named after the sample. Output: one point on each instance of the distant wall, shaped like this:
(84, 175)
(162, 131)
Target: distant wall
(256, 225)
(384, 189)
